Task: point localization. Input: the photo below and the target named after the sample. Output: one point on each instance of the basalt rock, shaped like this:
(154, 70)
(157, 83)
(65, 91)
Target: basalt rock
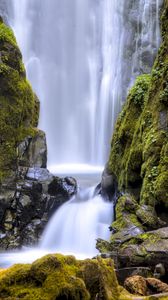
(27, 208)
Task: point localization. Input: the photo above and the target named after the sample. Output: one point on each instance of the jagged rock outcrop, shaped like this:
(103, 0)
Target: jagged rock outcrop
(27, 206)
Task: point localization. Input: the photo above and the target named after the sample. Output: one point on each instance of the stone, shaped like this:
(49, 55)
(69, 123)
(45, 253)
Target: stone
(108, 183)
(159, 271)
(136, 285)
(148, 216)
(157, 286)
(37, 151)
(26, 210)
(147, 249)
(61, 277)
(25, 200)
(40, 174)
(68, 185)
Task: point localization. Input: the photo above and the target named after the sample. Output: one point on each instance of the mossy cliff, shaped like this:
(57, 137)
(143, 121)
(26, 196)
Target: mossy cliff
(138, 162)
(139, 150)
(19, 106)
(29, 194)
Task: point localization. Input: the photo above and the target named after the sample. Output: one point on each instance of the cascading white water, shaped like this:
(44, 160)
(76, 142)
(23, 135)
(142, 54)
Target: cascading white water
(81, 57)
(78, 223)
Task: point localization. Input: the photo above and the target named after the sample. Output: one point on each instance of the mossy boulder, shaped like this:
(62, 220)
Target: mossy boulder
(58, 277)
(19, 107)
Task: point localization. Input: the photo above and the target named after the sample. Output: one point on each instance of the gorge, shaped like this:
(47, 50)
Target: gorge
(81, 68)
(83, 61)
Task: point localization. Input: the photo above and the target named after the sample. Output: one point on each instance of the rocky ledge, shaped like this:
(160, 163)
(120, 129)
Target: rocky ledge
(27, 205)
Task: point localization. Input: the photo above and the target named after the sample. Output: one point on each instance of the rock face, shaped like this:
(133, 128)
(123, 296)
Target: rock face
(27, 206)
(139, 151)
(139, 164)
(29, 194)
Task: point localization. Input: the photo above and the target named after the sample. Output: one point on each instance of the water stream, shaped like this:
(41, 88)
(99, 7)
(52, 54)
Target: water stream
(81, 58)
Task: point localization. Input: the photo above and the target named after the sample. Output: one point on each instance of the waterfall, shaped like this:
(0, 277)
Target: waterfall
(77, 224)
(81, 58)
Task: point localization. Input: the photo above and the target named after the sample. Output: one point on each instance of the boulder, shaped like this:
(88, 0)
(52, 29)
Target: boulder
(139, 285)
(136, 285)
(27, 209)
(61, 278)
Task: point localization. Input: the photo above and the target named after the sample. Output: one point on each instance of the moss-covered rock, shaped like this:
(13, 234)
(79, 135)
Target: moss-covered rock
(139, 151)
(18, 104)
(56, 277)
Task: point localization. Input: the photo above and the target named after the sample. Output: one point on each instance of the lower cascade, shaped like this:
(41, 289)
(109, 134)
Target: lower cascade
(73, 229)
(77, 224)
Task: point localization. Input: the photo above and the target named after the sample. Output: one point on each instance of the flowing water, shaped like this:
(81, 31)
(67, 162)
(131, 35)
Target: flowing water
(81, 58)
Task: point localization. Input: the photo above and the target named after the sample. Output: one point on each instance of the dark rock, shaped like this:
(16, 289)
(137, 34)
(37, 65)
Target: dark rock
(68, 185)
(26, 210)
(159, 271)
(124, 273)
(108, 183)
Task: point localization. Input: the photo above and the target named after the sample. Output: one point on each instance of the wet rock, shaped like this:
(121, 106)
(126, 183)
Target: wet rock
(68, 185)
(25, 211)
(39, 174)
(108, 183)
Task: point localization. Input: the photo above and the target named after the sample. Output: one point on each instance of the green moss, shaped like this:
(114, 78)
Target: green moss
(138, 92)
(126, 155)
(6, 35)
(18, 104)
(139, 150)
(57, 277)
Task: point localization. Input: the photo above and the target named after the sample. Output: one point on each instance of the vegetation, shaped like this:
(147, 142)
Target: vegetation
(56, 277)
(139, 150)
(18, 104)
